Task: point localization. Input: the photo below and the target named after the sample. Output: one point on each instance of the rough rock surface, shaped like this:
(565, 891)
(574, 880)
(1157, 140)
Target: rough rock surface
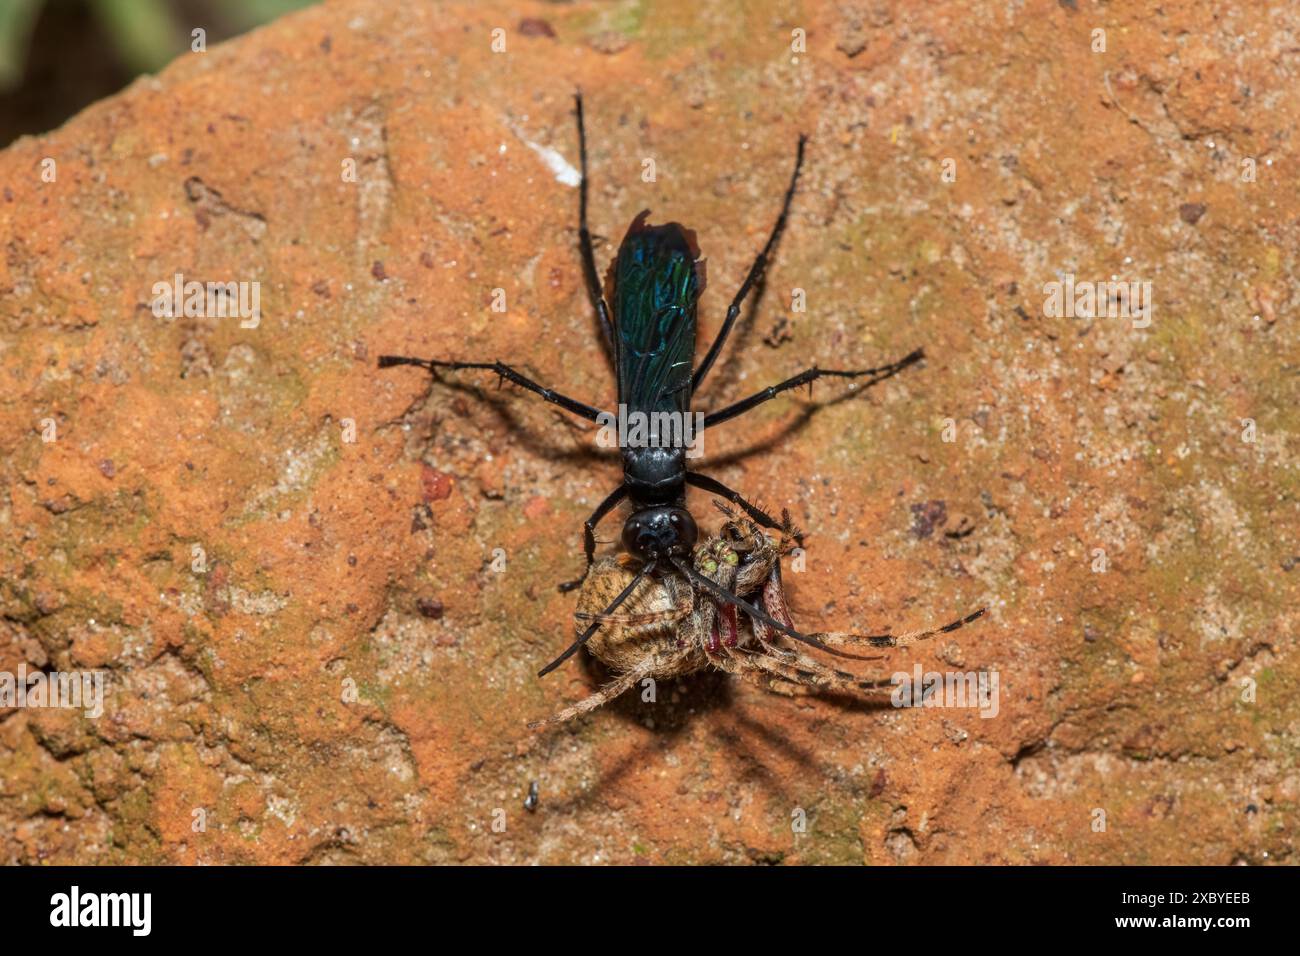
(347, 678)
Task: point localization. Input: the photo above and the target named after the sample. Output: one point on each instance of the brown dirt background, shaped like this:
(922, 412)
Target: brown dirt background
(369, 562)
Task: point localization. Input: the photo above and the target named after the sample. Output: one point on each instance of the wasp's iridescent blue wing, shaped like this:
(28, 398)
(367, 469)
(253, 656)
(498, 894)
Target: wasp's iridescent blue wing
(657, 282)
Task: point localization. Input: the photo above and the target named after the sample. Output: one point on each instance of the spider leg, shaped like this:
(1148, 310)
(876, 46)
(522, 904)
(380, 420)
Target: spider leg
(785, 679)
(768, 682)
(793, 674)
(598, 699)
(782, 687)
(838, 639)
(817, 675)
(644, 621)
(607, 693)
(775, 605)
(634, 620)
(804, 664)
(697, 629)
(789, 667)
(722, 595)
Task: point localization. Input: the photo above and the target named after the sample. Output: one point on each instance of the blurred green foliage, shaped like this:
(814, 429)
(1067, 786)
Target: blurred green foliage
(144, 34)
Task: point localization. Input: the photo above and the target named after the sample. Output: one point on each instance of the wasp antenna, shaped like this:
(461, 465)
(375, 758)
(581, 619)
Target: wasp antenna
(586, 635)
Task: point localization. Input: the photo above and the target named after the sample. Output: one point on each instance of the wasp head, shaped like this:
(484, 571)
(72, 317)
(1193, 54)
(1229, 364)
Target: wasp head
(660, 532)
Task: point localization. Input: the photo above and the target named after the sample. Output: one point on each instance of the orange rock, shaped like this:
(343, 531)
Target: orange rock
(246, 511)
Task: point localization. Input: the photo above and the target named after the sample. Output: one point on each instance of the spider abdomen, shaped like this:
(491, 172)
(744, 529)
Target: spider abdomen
(649, 623)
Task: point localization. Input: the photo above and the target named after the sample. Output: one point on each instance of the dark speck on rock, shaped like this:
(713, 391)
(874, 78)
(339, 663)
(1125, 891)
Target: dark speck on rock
(609, 42)
(430, 608)
(535, 27)
(1191, 212)
(927, 516)
(879, 783)
(779, 334)
(435, 485)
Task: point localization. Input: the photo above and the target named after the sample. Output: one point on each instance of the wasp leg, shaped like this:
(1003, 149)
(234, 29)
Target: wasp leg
(807, 377)
(589, 534)
(505, 373)
(755, 273)
(589, 274)
(715, 487)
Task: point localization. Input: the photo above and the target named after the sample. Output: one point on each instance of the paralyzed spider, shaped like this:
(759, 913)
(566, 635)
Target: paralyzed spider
(729, 611)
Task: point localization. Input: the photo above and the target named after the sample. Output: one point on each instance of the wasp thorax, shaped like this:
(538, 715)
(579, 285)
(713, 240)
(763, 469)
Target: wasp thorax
(660, 532)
